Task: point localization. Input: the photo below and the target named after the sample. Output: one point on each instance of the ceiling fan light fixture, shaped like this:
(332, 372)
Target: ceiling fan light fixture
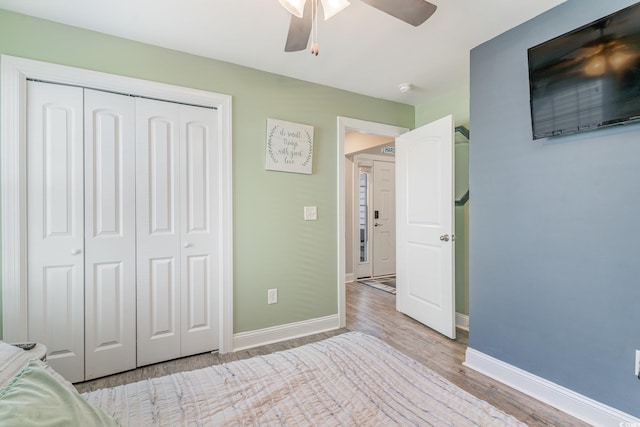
(331, 7)
(295, 7)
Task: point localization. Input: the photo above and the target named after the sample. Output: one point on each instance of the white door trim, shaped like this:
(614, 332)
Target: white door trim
(14, 73)
(344, 124)
(376, 157)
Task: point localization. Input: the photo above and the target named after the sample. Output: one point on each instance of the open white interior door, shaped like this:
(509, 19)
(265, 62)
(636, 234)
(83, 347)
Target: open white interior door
(425, 225)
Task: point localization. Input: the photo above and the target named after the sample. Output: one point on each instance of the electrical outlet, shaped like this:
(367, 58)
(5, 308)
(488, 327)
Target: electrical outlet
(637, 366)
(272, 296)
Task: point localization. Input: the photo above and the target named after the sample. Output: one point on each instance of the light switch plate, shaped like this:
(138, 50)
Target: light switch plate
(310, 213)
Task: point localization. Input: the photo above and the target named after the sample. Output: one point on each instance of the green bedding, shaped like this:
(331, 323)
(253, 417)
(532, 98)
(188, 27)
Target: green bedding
(35, 398)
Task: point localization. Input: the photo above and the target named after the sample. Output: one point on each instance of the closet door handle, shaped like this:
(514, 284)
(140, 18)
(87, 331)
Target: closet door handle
(75, 251)
(187, 245)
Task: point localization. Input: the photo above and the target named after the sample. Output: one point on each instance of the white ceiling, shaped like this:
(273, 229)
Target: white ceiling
(362, 50)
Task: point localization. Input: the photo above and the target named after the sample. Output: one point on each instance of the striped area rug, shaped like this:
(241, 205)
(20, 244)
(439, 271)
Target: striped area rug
(386, 284)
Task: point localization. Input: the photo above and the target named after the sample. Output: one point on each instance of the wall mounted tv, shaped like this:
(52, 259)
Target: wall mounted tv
(588, 78)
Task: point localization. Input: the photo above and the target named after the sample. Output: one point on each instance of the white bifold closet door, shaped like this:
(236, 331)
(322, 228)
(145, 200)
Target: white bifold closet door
(176, 222)
(81, 229)
(110, 233)
(55, 218)
(122, 218)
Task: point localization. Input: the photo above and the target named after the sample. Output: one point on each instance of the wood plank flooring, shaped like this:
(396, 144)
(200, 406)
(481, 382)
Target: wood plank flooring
(373, 312)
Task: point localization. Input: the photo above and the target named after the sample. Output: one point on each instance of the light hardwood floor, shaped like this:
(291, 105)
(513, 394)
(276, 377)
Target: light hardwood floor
(373, 312)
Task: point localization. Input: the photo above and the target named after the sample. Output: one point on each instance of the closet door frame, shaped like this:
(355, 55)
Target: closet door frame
(14, 73)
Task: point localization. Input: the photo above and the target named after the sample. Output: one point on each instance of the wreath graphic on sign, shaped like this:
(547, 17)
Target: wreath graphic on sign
(310, 142)
(270, 143)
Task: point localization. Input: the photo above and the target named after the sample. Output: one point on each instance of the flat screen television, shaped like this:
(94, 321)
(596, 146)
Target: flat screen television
(588, 78)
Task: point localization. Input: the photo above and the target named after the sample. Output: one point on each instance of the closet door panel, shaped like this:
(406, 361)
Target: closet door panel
(55, 266)
(158, 231)
(162, 294)
(110, 254)
(199, 241)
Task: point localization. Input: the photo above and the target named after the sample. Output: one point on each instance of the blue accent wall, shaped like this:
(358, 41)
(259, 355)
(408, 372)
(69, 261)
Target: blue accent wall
(554, 228)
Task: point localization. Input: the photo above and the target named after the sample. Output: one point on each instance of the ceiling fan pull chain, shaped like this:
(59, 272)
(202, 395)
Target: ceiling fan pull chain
(314, 32)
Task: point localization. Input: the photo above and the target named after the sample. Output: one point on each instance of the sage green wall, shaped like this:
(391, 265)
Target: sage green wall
(455, 102)
(461, 259)
(273, 246)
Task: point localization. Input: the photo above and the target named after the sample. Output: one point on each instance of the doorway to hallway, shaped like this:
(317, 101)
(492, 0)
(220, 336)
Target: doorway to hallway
(369, 187)
(347, 246)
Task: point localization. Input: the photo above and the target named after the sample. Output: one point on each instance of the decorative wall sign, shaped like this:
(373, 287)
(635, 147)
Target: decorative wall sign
(289, 147)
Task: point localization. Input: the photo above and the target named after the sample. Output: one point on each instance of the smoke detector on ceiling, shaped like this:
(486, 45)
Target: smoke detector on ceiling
(405, 87)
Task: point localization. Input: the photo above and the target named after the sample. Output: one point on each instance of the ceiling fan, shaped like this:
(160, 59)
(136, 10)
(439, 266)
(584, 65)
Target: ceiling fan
(304, 17)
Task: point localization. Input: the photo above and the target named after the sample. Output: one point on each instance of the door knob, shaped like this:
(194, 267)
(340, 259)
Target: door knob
(75, 251)
(187, 245)
(444, 237)
(377, 224)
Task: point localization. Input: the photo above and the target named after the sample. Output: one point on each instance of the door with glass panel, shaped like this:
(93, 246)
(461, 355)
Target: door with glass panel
(363, 216)
(374, 220)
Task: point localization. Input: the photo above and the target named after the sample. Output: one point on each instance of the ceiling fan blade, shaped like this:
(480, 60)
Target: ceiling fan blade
(299, 31)
(413, 12)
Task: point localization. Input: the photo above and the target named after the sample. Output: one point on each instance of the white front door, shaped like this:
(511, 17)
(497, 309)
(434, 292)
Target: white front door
(384, 218)
(55, 220)
(425, 225)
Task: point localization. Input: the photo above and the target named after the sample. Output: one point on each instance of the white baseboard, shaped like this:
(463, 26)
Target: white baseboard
(349, 277)
(244, 340)
(575, 404)
(462, 321)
